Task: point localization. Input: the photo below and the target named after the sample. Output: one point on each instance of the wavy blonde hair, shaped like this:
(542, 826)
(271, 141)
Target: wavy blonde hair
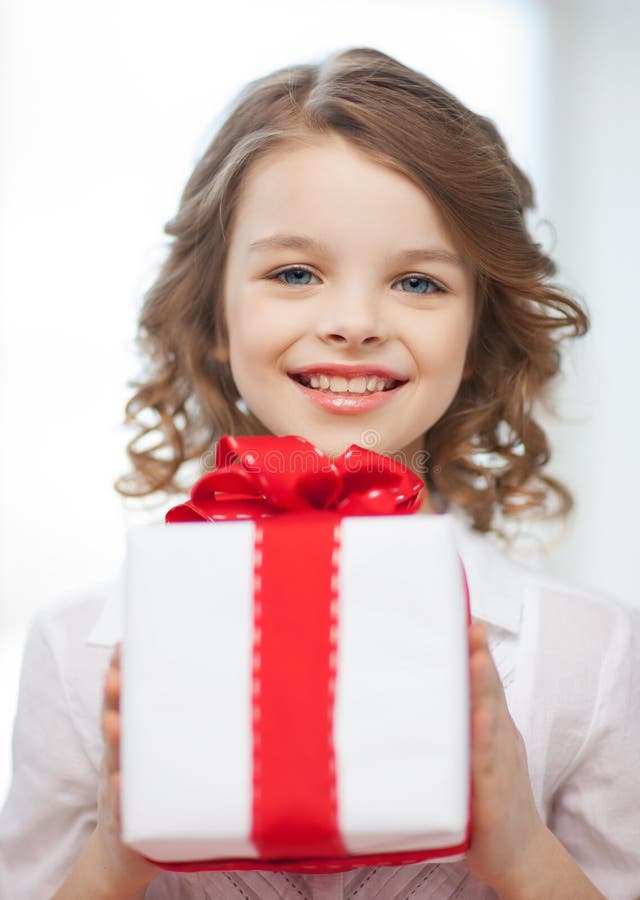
(487, 452)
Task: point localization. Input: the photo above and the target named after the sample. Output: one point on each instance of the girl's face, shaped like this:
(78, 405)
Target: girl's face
(320, 286)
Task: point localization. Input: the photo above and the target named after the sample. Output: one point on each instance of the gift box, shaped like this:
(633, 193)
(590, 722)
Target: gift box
(295, 669)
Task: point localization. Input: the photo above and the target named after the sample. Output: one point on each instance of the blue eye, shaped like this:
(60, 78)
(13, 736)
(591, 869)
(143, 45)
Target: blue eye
(297, 271)
(422, 283)
(419, 284)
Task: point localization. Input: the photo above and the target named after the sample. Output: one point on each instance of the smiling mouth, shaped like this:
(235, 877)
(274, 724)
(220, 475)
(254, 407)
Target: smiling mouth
(337, 384)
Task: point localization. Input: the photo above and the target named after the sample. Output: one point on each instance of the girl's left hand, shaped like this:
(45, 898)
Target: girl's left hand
(506, 827)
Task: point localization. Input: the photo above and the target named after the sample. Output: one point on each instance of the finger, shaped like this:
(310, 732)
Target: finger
(115, 790)
(486, 686)
(116, 655)
(477, 636)
(483, 737)
(111, 734)
(112, 689)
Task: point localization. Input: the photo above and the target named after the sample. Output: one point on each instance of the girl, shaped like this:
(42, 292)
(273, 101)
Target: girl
(350, 263)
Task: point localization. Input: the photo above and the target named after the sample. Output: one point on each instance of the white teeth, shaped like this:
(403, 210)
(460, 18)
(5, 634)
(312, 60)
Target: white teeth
(357, 385)
(360, 384)
(338, 384)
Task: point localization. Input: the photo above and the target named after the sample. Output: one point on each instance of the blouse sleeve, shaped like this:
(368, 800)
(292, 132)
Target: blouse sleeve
(596, 810)
(51, 807)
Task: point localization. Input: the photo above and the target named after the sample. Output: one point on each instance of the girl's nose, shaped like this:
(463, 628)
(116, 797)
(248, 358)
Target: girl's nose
(351, 321)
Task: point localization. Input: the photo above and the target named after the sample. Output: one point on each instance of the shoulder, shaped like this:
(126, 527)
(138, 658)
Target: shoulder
(576, 623)
(59, 658)
(68, 621)
(66, 626)
(571, 645)
(579, 612)
(56, 748)
(586, 641)
(568, 656)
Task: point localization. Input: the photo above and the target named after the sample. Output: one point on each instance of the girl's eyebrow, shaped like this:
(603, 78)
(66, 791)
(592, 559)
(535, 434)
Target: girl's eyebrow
(301, 242)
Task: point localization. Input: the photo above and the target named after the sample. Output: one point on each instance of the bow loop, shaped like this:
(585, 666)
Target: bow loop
(289, 471)
(374, 484)
(264, 475)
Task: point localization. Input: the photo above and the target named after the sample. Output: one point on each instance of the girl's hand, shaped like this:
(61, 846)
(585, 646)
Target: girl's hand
(122, 866)
(507, 832)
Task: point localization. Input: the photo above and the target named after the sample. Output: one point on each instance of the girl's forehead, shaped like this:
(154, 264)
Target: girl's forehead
(330, 185)
(328, 156)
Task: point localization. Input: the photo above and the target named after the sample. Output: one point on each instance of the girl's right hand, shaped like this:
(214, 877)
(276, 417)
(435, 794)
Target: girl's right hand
(123, 867)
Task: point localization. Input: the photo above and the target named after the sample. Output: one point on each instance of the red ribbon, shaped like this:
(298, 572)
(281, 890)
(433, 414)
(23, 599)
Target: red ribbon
(294, 790)
(260, 476)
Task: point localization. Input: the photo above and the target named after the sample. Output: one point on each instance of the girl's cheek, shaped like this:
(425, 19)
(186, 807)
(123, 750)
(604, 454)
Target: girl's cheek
(446, 338)
(437, 346)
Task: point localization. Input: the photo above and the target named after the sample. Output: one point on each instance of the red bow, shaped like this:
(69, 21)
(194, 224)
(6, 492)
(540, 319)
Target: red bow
(262, 476)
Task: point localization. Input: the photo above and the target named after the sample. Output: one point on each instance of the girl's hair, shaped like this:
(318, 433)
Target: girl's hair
(487, 451)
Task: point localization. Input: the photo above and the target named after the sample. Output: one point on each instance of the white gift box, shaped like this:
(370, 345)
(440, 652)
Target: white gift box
(399, 726)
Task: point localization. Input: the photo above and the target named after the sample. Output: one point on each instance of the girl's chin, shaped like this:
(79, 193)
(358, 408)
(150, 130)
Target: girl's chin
(330, 448)
(333, 445)
(368, 440)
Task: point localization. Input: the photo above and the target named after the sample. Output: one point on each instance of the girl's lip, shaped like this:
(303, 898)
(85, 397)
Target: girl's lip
(348, 404)
(349, 371)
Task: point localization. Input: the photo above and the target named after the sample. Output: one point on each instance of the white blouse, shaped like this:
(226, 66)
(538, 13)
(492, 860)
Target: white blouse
(570, 664)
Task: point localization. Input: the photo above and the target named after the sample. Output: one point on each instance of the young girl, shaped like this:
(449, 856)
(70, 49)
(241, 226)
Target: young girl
(350, 263)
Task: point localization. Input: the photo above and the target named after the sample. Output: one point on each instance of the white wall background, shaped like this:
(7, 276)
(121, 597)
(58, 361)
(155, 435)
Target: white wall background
(592, 196)
(103, 113)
